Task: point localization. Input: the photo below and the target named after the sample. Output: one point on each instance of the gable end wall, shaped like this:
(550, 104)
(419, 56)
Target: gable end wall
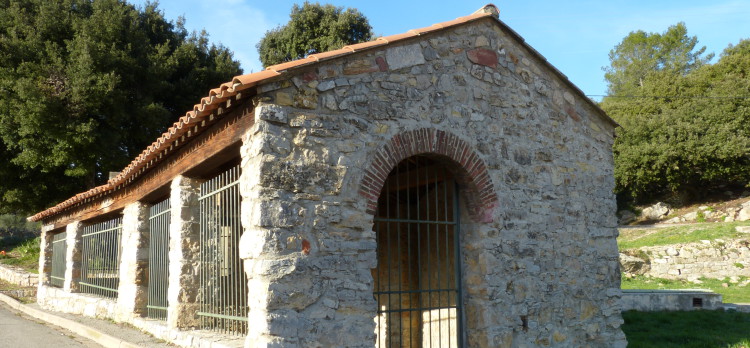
(539, 267)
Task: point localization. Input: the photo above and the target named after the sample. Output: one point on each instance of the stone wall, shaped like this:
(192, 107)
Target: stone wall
(18, 276)
(670, 300)
(539, 258)
(714, 259)
(57, 299)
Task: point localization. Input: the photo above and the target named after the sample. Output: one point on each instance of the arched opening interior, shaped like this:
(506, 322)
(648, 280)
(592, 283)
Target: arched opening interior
(417, 281)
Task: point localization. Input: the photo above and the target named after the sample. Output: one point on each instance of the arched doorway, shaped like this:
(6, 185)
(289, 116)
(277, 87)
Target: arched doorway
(417, 281)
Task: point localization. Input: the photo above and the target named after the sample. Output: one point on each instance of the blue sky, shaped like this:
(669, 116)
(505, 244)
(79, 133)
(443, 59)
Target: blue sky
(575, 36)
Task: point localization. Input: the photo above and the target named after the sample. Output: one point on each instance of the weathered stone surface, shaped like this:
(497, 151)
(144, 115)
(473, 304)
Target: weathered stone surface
(549, 158)
(711, 259)
(656, 211)
(483, 56)
(271, 113)
(625, 217)
(404, 56)
(73, 256)
(132, 292)
(18, 276)
(743, 214)
(326, 85)
(360, 66)
(184, 253)
(633, 265)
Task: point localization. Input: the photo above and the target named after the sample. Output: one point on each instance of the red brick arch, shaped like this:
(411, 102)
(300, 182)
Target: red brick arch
(469, 168)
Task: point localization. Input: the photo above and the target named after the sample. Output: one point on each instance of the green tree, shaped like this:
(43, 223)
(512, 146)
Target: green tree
(313, 28)
(688, 133)
(640, 54)
(85, 86)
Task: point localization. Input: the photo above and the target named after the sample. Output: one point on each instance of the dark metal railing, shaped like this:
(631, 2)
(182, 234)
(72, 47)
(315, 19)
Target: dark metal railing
(59, 249)
(223, 298)
(417, 278)
(100, 258)
(158, 261)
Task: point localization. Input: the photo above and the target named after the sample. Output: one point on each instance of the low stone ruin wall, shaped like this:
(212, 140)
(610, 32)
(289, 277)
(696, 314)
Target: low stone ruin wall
(18, 276)
(715, 259)
(669, 300)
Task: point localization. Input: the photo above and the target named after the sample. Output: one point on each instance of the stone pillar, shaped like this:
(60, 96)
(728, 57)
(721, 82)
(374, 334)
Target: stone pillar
(308, 268)
(133, 287)
(184, 257)
(45, 255)
(73, 256)
(253, 240)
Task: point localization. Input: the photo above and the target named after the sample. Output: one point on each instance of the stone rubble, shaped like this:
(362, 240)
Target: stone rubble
(710, 259)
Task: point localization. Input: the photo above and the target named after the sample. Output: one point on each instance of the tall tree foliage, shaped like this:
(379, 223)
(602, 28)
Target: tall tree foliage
(640, 54)
(313, 28)
(85, 85)
(688, 131)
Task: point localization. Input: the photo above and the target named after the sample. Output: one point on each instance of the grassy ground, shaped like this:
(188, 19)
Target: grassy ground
(732, 293)
(698, 329)
(640, 237)
(24, 255)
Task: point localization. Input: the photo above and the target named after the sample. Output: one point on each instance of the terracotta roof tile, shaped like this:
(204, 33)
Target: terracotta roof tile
(292, 64)
(393, 38)
(208, 104)
(365, 45)
(426, 30)
(249, 80)
(325, 55)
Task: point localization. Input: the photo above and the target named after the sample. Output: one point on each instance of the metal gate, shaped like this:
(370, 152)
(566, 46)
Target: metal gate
(223, 281)
(100, 258)
(158, 260)
(418, 275)
(59, 249)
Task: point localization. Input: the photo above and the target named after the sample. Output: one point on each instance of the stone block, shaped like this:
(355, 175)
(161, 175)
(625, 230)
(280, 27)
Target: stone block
(271, 113)
(404, 56)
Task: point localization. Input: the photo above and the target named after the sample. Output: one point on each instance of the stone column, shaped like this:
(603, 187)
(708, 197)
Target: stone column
(45, 255)
(133, 287)
(253, 240)
(184, 257)
(309, 271)
(73, 256)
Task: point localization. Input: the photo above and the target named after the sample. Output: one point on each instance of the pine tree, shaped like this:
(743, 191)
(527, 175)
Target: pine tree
(85, 86)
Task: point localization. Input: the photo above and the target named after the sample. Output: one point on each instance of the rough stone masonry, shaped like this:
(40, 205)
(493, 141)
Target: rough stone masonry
(531, 154)
(539, 253)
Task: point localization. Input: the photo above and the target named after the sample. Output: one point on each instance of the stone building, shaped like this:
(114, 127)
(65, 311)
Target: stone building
(442, 187)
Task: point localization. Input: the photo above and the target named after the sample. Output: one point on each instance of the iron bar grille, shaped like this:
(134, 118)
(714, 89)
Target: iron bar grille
(417, 278)
(100, 258)
(158, 260)
(59, 248)
(223, 283)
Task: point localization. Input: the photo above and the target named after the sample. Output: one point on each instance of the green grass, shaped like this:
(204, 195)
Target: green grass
(693, 329)
(733, 293)
(636, 238)
(24, 255)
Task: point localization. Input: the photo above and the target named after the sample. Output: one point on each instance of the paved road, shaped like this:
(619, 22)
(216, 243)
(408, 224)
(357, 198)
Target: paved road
(20, 330)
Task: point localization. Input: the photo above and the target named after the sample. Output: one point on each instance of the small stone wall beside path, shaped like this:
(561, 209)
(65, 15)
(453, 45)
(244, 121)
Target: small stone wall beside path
(18, 276)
